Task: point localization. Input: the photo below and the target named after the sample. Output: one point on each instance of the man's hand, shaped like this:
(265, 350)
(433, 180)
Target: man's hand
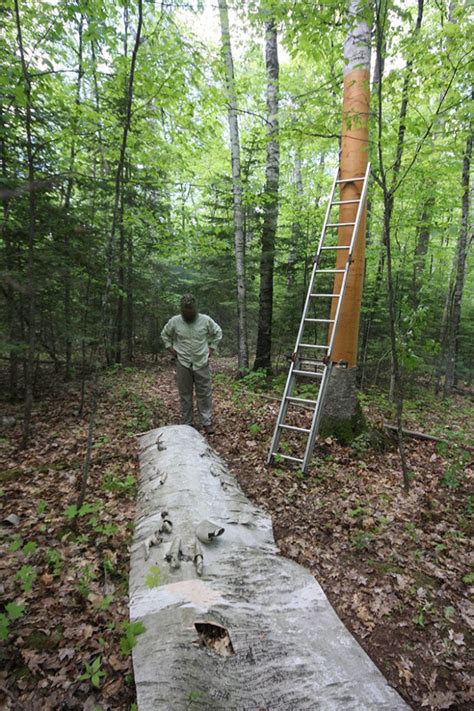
(211, 352)
(173, 352)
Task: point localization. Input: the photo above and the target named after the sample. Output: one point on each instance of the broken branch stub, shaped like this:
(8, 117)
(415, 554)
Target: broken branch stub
(267, 637)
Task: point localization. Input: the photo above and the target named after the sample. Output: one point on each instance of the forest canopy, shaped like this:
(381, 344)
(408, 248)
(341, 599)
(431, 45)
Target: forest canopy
(116, 180)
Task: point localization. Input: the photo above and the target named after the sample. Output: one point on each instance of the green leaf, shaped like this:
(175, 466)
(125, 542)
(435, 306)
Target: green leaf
(4, 627)
(15, 545)
(71, 511)
(14, 611)
(27, 576)
(30, 547)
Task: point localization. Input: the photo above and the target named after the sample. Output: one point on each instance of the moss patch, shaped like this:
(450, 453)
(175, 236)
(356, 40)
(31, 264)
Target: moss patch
(344, 430)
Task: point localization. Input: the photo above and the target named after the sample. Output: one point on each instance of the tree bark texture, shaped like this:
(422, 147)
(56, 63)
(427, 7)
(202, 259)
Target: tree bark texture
(296, 229)
(238, 210)
(282, 645)
(30, 262)
(461, 255)
(270, 219)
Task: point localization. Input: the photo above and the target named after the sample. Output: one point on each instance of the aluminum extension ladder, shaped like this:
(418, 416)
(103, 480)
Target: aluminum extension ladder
(323, 366)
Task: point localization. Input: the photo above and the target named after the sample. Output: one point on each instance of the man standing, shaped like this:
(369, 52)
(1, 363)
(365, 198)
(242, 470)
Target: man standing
(192, 337)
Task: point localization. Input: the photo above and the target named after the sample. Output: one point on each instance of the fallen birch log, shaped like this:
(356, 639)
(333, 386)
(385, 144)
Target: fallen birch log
(229, 623)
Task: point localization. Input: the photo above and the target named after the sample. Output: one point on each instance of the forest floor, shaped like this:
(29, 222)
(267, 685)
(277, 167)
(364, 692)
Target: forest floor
(395, 567)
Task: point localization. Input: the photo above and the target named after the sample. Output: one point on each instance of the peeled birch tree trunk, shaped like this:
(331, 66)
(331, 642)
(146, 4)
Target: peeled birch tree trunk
(247, 630)
(270, 219)
(239, 236)
(342, 416)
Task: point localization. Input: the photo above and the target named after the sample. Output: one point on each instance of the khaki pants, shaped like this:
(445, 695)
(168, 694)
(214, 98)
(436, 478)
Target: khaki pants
(187, 379)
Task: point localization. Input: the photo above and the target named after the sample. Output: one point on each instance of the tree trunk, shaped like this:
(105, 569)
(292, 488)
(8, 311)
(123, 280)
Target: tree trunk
(129, 302)
(67, 205)
(421, 249)
(342, 415)
(462, 247)
(110, 243)
(240, 632)
(8, 289)
(120, 284)
(121, 163)
(30, 264)
(270, 219)
(239, 236)
(388, 202)
(295, 224)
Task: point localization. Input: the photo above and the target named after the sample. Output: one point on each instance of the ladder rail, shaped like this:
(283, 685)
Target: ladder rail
(289, 382)
(317, 414)
(327, 364)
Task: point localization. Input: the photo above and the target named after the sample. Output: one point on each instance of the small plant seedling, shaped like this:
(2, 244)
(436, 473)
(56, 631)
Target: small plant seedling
(254, 429)
(93, 672)
(105, 603)
(29, 547)
(13, 612)
(129, 639)
(41, 507)
(15, 545)
(26, 575)
(54, 561)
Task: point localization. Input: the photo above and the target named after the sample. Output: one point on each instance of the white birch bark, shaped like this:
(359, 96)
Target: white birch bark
(239, 237)
(282, 645)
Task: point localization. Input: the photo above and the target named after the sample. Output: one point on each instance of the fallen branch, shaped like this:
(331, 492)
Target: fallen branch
(431, 438)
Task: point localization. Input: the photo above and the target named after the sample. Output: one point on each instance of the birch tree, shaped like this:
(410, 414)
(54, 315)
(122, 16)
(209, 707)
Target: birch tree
(238, 210)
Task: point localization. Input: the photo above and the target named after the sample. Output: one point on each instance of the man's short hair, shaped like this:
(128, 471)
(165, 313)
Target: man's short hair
(188, 301)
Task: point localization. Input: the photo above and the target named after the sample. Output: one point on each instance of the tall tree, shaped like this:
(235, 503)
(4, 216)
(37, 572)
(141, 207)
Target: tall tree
(30, 269)
(295, 223)
(461, 255)
(239, 236)
(270, 218)
(116, 221)
(388, 190)
(67, 201)
(341, 415)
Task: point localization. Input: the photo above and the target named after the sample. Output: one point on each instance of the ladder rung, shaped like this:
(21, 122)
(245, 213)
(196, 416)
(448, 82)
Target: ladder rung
(296, 429)
(320, 320)
(345, 202)
(350, 180)
(331, 296)
(342, 246)
(308, 373)
(312, 345)
(287, 456)
(340, 224)
(301, 399)
(327, 271)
